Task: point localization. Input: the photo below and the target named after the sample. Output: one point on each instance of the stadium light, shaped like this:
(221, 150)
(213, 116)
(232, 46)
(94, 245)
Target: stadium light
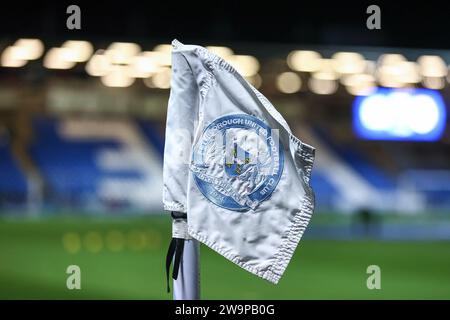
(436, 83)
(56, 59)
(288, 82)
(359, 84)
(118, 77)
(388, 59)
(246, 65)
(21, 52)
(255, 80)
(322, 83)
(144, 64)
(122, 52)
(432, 66)
(10, 58)
(400, 114)
(30, 49)
(79, 51)
(348, 62)
(304, 60)
(161, 58)
(161, 79)
(165, 48)
(99, 64)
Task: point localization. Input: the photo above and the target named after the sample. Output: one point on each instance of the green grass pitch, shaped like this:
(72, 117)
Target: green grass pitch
(123, 258)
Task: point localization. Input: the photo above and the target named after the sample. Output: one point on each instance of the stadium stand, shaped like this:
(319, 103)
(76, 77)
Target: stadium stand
(13, 184)
(76, 170)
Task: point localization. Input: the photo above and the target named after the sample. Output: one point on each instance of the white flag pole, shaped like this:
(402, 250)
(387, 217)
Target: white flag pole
(187, 285)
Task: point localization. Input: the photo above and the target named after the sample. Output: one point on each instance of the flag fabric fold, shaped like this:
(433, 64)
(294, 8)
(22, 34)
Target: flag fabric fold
(233, 165)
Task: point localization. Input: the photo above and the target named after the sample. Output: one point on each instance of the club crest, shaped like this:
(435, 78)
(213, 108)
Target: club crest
(237, 162)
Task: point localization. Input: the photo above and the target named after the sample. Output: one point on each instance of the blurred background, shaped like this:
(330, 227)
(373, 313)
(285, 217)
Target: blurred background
(82, 120)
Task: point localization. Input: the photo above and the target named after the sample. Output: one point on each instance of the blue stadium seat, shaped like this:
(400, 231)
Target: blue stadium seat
(13, 183)
(323, 190)
(151, 133)
(69, 167)
(359, 162)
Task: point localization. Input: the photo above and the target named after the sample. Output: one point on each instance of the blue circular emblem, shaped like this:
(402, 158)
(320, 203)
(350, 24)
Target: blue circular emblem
(237, 162)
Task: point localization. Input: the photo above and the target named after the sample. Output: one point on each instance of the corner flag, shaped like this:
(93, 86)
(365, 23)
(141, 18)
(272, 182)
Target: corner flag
(233, 166)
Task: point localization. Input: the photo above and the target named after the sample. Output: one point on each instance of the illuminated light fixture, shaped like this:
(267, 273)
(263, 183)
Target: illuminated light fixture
(165, 48)
(370, 67)
(325, 75)
(30, 49)
(122, 52)
(118, 57)
(148, 82)
(398, 75)
(55, 59)
(77, 50)
(128, 48)
(99, 64)
(161, 79)
(394, 71)
(246, 65)
(222, 52)
(144, 65)
(162, 54)
(322, 85)
(400, 114)
(255, 80)
(388, 59)
(432, 66)
(387, 76)
(436, 83)
(10, 59)
(118, 77)
(161, 58)
(326, 67)
(304, 60)
(348, 62)
(408, 72)
(448, 75)
(288, 82)
(359, 84)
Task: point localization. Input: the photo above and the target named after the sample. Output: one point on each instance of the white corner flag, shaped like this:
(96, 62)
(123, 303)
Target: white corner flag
(233, 167)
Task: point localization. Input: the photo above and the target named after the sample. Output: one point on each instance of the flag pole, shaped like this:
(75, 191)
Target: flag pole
(187, 284)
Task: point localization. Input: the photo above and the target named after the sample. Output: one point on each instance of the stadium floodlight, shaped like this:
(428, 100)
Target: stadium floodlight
(122, 52)
(348, 62)
(436, 83)
(359, 84)
(246, 65)
(56, 59)
(118, 77)
(432, 66)
(164, 47)
(32, 49)
(99, 64)
(11, 58)
(304, 60)
(289, 82)
(145, 64)
(255, 80)
(161, 79)
(400, 114)
(21, 52)
(80, 51)
(323, 83)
